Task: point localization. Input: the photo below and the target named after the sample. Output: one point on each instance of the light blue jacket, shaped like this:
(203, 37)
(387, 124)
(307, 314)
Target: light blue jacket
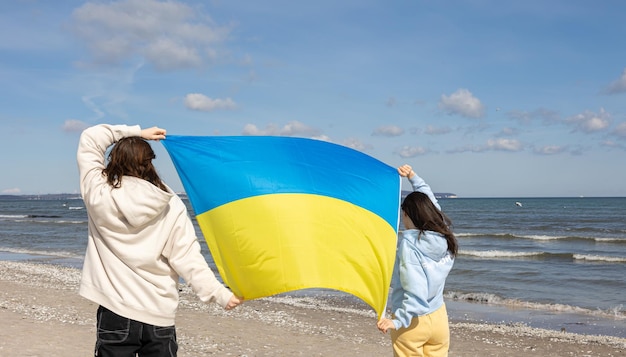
(421, 268)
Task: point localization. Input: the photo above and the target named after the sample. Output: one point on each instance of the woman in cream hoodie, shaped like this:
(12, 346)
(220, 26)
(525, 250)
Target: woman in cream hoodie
(141, 240)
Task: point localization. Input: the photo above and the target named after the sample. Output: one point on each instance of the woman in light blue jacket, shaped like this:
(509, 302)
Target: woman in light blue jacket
(426, 251)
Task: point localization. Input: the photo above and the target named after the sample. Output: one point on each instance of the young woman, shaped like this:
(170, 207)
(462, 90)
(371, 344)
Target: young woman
(141, 240)
(426, 251)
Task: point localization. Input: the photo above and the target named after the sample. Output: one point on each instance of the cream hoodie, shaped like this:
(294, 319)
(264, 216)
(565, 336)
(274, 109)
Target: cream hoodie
(141, 240)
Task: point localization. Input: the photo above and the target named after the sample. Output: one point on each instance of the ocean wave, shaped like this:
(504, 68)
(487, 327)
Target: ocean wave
(13, 216)
(29, 218)
(46, 253)
(510, 236)
(324, 303)
(616, 312)
(497, 254)
(542, 237)
(500, 253)
(610, 240)
(599, 258)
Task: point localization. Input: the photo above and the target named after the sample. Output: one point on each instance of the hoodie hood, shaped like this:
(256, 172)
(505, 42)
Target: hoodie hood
(432, 244)
(139, 201)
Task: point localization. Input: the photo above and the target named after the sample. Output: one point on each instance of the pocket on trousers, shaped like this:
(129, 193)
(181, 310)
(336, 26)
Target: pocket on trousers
(112, 327)
(165, 332)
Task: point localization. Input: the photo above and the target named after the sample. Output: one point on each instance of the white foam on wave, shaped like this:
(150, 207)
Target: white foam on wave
(459, 235)
(30, 219)
(47, 253)
(308, 302)
(12, 216)
(600, 258)
(610, 240)
(616, 312)
(70, 222)
(541, 237)
(499, 253)
(510, 235)
(601, 240)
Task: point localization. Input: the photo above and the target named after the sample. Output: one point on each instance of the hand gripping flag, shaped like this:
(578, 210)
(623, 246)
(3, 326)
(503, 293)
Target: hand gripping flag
(282, 214)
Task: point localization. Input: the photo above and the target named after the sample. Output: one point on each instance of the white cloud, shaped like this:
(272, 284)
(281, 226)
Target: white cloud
(467, 148)
(508, 131)
(167, 34)
(251, 129)
(11, 191)
(619, 85)
(72, 125)
(550, 150)
(501, 144)
(356, 144)
(411, 151)
(546, 115)
(322, 137)
(433, 130)
(201, 102)
(497, 144)
(590, 122)
(389, 130)
(620, 130)
(612, 144)
(293, 128)
(166, 53)
(463, 103)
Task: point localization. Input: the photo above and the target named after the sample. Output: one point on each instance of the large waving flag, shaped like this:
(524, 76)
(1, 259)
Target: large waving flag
(282, 214)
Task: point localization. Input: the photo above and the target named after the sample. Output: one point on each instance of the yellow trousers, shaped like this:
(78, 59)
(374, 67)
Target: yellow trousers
(427, 336)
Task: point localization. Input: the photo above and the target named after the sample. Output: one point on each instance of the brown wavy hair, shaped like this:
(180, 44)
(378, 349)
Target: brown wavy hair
(132, 156)
(427, 217)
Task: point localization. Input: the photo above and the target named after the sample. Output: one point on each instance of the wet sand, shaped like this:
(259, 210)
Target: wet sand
(41, 314)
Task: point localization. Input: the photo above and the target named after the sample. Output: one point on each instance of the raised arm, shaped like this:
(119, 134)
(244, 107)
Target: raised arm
(418, 183)
(94, 142)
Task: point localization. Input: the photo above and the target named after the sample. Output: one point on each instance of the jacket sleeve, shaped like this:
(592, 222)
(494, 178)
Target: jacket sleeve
(92, 147)
(185, 257)
(420, 185)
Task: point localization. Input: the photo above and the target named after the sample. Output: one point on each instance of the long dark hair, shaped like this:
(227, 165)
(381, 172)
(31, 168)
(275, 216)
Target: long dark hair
(426, 217)
(132, 156)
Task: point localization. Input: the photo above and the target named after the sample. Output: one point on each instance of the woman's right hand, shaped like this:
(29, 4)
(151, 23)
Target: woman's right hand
(154, 133)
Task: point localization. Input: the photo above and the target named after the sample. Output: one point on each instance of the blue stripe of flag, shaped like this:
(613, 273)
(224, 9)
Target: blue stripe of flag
(216, 170)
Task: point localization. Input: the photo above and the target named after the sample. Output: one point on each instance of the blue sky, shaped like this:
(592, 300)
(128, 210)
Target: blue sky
(483, 98)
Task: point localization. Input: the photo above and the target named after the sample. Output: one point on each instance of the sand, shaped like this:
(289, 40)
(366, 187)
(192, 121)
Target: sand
(41, 314)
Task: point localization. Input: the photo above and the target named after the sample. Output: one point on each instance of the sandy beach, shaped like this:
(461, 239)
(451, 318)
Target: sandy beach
(41, 314)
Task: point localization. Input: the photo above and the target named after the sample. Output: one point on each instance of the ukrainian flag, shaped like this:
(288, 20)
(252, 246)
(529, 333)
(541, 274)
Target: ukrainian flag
(282, 214)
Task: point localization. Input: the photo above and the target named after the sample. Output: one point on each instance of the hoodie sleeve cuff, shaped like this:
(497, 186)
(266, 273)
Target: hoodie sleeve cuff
(224, 298)
(397, 324)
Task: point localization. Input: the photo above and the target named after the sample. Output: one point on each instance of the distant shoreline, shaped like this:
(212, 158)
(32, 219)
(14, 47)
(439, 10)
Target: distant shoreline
(75, 196)
(439, 195)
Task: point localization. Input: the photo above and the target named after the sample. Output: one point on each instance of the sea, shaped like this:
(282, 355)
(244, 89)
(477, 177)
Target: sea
(552, 263)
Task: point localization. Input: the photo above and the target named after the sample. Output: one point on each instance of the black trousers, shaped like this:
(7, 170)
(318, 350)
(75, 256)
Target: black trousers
(119, 336)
